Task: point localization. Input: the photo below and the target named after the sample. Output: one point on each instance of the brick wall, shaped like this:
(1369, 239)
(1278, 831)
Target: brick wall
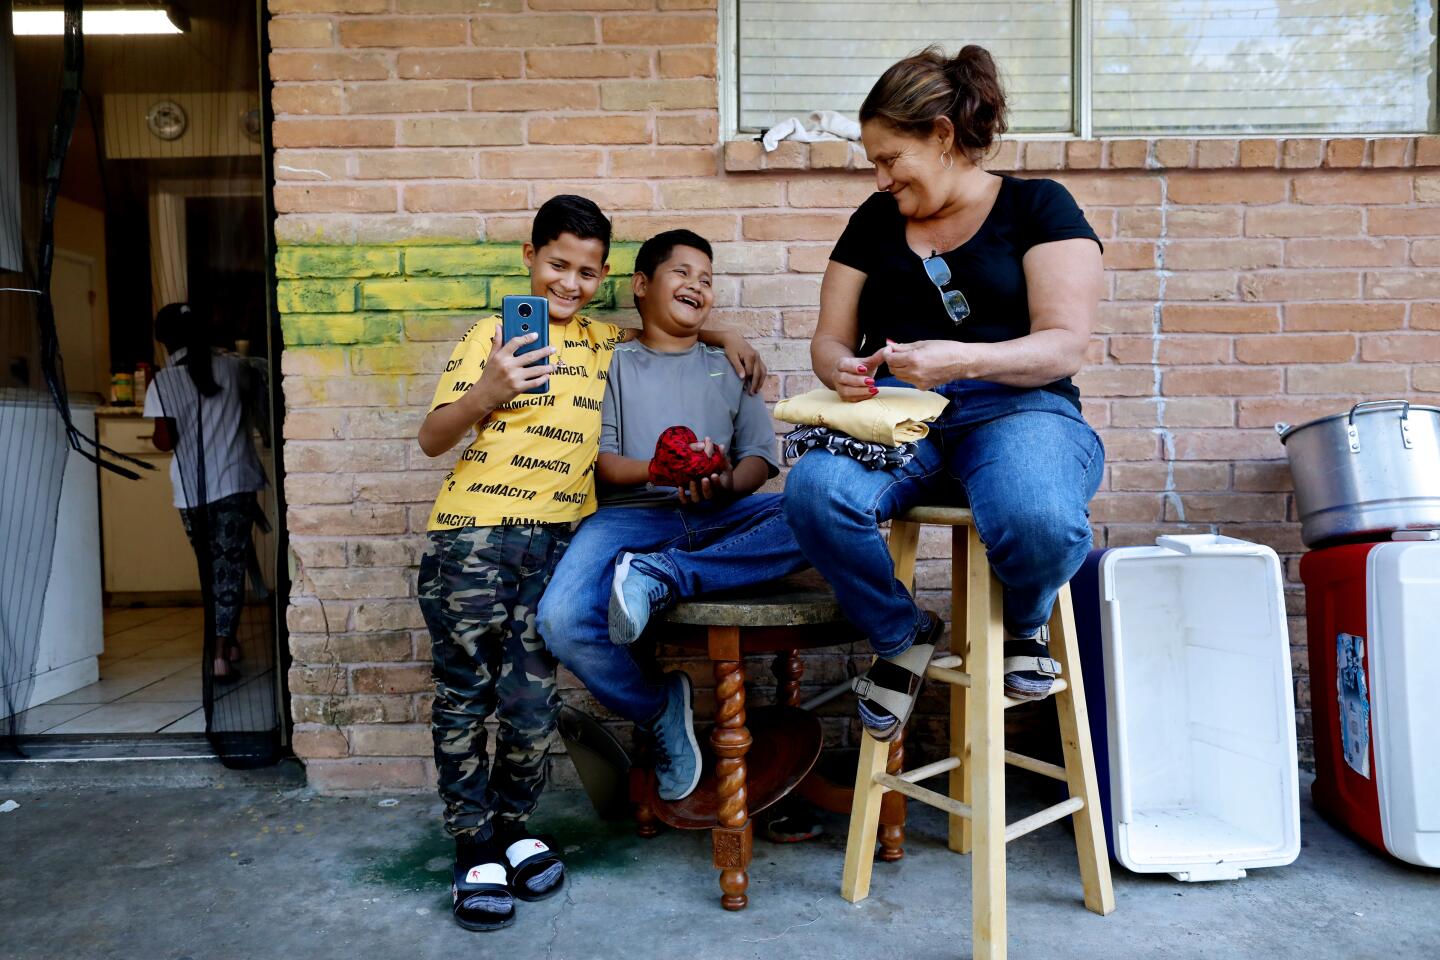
(1248, 282)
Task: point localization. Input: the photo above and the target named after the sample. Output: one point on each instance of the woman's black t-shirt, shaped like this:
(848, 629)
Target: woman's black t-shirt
(900, 302)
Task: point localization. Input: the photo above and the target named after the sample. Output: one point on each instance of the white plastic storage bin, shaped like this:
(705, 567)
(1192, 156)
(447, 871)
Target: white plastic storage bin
(1200, 709)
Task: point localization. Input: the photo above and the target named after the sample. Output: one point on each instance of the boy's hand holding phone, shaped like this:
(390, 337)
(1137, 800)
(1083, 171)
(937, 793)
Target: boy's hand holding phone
(506, 375)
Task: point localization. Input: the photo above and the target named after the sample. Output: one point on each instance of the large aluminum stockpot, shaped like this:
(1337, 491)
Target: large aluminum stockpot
(1366, 473)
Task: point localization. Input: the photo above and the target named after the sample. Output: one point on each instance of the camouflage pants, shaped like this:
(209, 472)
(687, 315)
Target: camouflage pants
(479, 588)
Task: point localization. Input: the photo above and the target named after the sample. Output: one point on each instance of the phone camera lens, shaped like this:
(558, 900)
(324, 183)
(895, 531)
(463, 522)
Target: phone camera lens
(524, 309)
(524, 328)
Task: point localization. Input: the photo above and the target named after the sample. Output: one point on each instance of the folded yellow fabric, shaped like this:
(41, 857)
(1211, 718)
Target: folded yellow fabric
(893, 416)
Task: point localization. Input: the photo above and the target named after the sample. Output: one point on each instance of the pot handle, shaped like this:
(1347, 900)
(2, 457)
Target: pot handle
(1375, 404)
(1353, 435)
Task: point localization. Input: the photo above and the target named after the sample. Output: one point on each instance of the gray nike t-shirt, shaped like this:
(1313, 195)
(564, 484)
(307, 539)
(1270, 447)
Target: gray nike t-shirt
(647, 391)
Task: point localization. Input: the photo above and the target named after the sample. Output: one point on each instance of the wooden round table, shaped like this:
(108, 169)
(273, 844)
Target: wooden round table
(755, 760)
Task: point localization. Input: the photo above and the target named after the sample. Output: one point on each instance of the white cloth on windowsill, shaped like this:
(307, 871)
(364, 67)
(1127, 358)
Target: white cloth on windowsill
(820, 125)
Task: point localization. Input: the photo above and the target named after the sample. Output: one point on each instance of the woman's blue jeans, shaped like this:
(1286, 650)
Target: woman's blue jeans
(1025, 461)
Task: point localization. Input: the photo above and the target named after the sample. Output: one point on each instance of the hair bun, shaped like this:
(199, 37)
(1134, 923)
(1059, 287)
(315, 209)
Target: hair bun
(916, 93)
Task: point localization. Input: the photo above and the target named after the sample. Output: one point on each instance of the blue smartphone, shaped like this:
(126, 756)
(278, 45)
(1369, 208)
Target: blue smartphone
(522, 315)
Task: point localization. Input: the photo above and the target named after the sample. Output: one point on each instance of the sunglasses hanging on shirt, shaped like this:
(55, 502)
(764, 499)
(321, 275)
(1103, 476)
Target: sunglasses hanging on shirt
(939, 273)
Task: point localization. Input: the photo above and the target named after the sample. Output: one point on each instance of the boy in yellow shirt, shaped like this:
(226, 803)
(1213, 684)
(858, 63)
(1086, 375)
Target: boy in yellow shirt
(499, 526)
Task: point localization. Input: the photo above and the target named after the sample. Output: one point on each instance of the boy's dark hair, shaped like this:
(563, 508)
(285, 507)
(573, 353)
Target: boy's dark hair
(568, 213)
(177, 326)
(658, 248)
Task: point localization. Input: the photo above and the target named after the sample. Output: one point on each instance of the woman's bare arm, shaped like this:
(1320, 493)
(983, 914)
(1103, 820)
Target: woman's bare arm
(837, 336)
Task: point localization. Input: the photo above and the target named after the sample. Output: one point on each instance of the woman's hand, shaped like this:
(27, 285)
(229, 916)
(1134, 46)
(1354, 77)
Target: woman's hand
(748, 364)
(854, 377)
(927, 363)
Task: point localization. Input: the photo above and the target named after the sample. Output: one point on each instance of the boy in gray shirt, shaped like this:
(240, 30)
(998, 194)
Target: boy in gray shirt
(683, 448)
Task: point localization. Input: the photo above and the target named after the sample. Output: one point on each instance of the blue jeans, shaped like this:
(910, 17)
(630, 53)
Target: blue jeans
(690, 550)
(1025, 461)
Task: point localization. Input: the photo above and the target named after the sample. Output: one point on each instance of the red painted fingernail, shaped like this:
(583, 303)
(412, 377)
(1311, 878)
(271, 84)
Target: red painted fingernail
(860, 369)
(874, 389)
(869, 382)
(888, 340)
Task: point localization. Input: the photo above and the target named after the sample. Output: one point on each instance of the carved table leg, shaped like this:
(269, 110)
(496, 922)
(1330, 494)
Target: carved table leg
(731, 741)
(789, 669)
(641, 788)
(892, 807)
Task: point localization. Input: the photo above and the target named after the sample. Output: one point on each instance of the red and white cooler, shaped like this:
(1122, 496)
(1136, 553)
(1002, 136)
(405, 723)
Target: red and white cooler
(1373, 613)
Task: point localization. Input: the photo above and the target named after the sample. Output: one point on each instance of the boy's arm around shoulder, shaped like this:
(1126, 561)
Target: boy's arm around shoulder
(502, 377)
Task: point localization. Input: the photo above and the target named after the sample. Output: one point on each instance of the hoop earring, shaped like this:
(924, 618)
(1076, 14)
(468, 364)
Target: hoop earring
(947, 161)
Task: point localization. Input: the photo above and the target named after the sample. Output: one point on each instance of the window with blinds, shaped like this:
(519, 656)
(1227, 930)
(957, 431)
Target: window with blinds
(1154, 66)
(1256, 66)
(797, 56)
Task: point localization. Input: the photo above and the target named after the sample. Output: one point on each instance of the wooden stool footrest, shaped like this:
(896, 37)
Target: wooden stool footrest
(1037, 820)
(1050, 770)
(949, 662)
(930, 770)
(937, 800)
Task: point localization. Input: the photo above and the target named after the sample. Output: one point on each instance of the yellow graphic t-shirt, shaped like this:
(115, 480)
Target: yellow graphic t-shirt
(533, 460)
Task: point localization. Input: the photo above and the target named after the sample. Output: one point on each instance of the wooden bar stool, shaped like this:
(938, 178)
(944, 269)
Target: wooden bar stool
(975, 800)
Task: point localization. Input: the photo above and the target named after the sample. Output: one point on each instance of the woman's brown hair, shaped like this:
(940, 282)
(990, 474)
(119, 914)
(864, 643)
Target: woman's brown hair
(915, 93)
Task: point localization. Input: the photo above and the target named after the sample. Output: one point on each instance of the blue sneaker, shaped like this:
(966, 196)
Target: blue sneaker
(677, 755)
(634, 596)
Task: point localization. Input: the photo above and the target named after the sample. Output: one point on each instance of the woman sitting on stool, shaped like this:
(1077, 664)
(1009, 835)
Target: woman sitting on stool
(983, 288)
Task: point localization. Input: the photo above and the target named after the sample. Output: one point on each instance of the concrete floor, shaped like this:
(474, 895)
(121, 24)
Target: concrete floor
(257, 867)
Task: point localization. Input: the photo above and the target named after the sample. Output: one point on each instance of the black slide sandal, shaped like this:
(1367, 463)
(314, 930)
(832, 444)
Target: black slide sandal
(485, 880)
(528, 857)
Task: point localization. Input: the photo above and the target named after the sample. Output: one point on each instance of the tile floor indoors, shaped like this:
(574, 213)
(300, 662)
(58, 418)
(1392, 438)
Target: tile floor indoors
(149, 679)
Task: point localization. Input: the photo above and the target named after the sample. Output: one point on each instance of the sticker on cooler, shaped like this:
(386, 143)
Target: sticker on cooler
(1354, 700)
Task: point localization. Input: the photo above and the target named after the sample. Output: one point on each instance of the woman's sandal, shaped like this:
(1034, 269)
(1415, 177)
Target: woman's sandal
(481, 897)
(888, 690)
(1030, 671)
(528, 857)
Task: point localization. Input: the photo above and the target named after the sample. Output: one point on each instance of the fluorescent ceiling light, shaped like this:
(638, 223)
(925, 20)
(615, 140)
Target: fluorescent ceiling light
(95, 22)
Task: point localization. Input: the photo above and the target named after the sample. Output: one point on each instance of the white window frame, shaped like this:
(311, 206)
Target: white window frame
(1082, 63)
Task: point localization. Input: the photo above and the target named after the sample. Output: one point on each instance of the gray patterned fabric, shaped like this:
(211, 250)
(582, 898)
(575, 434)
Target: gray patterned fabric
(876, 456)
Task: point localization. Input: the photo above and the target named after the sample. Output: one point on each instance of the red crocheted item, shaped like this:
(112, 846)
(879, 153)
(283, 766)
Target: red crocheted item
(675, 464)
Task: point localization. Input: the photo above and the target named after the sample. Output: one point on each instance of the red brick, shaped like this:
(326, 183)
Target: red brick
(351, 776)
(610, 194)
(403, 32)
(1129, 255)
(1134, 284)
(348, 582)
(654, 163)
(1203, 222)
(1415, 221)
(1202, 285)
(1427, 380)
(1345, 153)
(1425, 253)
(1111, 190)
(1044, 155)
(781, 291)
(591, 4)
(682, 62)
(1228, 187)
(1173, 412)
(809, 259)
(595, 128)
(334, 133)
(289, 34)
(1300, 285)
(1083, 154)
(1300, 153)
(1139, 222)
(312, 741)
(1265, 477)
(1353, 187)
(1217, 318)
(713, 193)
(1301, 221)
(1211, 154)
(791, 226)
(1401, 347)
(1123, 154)
(1124, 318)
(1424, 316)
(318, 198)
(462, 132)
(414, 164)
(586, 63)
(1171, 350)
(1347, 379)
(541, 96)
(1344, 316)
(1217, 254)
(1175, 152)
(1259, 153)
(306, 99)
(689, 94)
(1427, 151)
(697, 128)
(1210, 508)
(1170, 476)
(442, 198)
(1403, 285)
(310, 165)
(1389, 151)
(1296, 348)
(652, 31)
(1224, 381)
(390, 740)
(540, 163)
(846, 192)
(407, 96)
(1125, 508)
(532, 31)
(312, 65)
(713, 227)
(1269, 411)
(279, 7)
(1105, 381)
(1360, 252)
(453, 65)
(1129, 445)
(1227, 444)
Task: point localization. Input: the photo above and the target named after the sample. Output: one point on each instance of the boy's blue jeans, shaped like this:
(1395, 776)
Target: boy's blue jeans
(691, 550)
(1025, 461)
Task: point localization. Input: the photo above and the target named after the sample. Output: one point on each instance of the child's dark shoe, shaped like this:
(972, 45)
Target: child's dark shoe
(480, 893)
